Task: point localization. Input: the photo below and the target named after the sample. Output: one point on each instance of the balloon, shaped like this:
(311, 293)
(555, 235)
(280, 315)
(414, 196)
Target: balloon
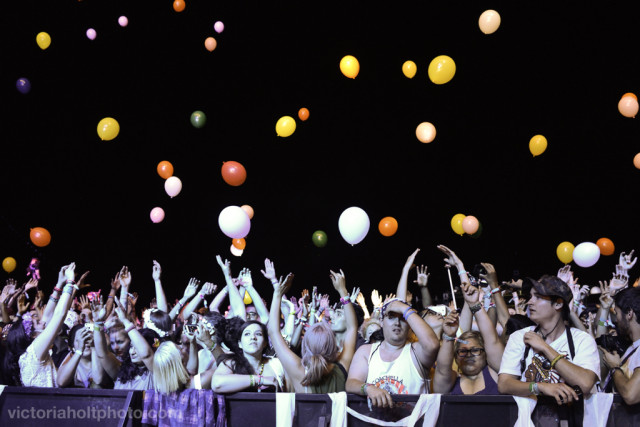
(233, 173)
(537, 145)
(239, 243)
(234, 222)
(388, 226)
(564, 251)
(409, 69)
(91, 34)
(235, 251)
(157, 215)
(441, 69)
(426, 132)
(628, 105)
(470, 224)
(173, 186)
(108, 128)
(354, 225)
(210, 44)
(586, 254)
(478, 233)
(179, 5)
(218, 27)
(636, 161)
(303, 114)
(40, 236)
(23, 85)
(247, 298)
(285, 126)
(165, 169)
(123, 21)
(248, 209)
(319, 238)
(43, 39)
(349, 66)
(9, 264)
(606, 246)
(489, 21)
(198, 119)
(456, 223)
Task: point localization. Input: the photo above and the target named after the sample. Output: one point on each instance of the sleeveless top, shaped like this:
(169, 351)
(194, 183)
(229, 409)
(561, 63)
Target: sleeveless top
(490, 386)
(399, 376)
(36, 373)
(141, 382)
(334, 382)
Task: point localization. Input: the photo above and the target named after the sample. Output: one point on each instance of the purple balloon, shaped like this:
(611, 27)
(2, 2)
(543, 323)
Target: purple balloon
(23, 85)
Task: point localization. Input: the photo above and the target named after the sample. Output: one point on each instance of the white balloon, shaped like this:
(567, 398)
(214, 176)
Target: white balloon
(426, 132)
(586, 254)
(91, 34)
(173, 186)
(489, 21)
(235, 251)
(354, 225)
(234, 222)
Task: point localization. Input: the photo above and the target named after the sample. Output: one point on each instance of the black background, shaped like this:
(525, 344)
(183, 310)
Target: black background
(552, 68)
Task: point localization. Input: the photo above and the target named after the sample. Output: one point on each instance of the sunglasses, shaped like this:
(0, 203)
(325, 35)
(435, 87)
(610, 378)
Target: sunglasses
(466, 352)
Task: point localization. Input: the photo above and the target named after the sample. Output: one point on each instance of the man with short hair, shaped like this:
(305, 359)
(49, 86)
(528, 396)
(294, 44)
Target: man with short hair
(551, 358)
(623, 372)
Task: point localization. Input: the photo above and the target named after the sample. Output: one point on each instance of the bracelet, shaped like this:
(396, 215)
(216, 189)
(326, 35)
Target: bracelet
(460, 273)
(556, 359)
(363, 388)
(76, 287)
(201, 296)
(57, 289)
(52, 298)
(260, 380)
(531, 387)
(605, 323)
(447, 337)
(495, 290)
(180, 303)
(406, 317)
(130, 328)
(18, 314)
(68, 290)
(78, 352)
(293, 313)
(213, 346)
(70, 282)
(345, 301)
(252, 380)
(404, 313)
(98, 328)
(275, 282)
(475, 308)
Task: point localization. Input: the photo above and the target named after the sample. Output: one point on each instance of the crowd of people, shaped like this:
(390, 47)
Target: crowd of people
(549, 336)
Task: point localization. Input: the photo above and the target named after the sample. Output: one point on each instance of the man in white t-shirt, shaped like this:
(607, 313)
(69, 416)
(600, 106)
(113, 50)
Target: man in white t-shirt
(540, 359)
(623, 370)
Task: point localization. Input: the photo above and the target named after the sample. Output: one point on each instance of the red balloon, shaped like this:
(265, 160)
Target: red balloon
(165, 169)
(233, 173)
(239, 243)
(606, 246)
(388, 226)
(40, 236)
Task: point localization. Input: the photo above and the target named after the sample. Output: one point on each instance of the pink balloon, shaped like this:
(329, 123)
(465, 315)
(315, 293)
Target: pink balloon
(173, 186)
(218, 26)
(91, 34)
(157, 215)
(470, 224)
(123, 21)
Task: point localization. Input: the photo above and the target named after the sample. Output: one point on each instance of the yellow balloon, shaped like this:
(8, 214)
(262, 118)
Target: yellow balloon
(350, 66)
(108, 128)
(247, 298)
(43, 39)
(9, 264)
(537, 145)
(456, 223)
(565, 252)
(285, 126)
(409, 69)
(441, 69)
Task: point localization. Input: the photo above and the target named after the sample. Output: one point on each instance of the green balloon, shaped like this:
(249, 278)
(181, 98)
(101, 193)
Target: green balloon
(198, 119)
(478, 233)
(319, 239)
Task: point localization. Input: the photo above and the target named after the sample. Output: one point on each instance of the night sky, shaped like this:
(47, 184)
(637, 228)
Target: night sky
(556, 69)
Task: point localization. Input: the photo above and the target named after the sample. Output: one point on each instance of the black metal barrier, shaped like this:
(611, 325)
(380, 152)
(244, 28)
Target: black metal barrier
(41, 407)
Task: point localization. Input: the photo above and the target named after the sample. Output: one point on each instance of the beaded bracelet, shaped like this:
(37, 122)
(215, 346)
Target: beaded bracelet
(363, 388)
(447, 337)
(54, 299)
(56, 289)
(252, 380)
(557, 359)
(345, 301)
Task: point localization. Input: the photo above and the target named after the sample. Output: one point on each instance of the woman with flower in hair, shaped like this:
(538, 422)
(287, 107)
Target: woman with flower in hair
(322, 368)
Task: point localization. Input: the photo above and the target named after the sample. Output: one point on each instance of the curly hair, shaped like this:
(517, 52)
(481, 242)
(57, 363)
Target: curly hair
(16, 344)
(129, 370)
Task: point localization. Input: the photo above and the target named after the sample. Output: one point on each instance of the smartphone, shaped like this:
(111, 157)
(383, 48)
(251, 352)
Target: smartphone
(88, 326)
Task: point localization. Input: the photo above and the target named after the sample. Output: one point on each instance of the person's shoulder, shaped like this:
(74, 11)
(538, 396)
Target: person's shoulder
(582, 336)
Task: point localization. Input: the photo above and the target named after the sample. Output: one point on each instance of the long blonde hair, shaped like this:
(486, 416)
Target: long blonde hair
(319, 349)
(169, 374)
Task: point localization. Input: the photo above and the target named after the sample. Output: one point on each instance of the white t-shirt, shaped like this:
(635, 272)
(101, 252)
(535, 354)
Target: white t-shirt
(633, 361)
(586, 356)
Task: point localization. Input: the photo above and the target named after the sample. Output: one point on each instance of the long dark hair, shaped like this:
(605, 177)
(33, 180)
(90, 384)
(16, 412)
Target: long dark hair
(16, 344)
(233, 333)
(129, 370)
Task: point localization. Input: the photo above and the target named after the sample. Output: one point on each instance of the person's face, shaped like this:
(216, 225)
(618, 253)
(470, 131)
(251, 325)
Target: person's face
(434, 319)
(370, 330)
(38, 324)
(540, 306)
(78, 344)
(252, 314)
(134, 355)
(252, 341)
(621, 323)
(469, 363)
(338, 320)
(120, 342)
(395, 328)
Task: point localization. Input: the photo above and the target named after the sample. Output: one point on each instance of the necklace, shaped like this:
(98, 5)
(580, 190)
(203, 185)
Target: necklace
(261, 368)
(544, 336)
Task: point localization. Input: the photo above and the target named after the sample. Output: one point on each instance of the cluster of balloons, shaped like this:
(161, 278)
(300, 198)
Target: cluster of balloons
(9, 264)
(40, 236)
(349, 66)
(426, 132)
(285, 126)
(628, 105)
(43, 39)
(409, 69)
(461, 224)
(585, 254)
(233, 173)
(537, 145)
(237, 249)
(353, 225)
(234, 222)
(489, 21)
(179, 5)
(172, 184)
(108, 128)
(388, 226)
(198, 119)
(441, 69)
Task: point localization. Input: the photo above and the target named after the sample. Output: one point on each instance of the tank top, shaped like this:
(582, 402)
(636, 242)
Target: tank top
(399, 376)
(490, 386)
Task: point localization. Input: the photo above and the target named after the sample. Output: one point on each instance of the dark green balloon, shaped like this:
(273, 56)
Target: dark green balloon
(478, 233)
(319, 239)
(198, 119)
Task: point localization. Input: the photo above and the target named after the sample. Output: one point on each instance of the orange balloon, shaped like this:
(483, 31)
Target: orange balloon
(303, 114)
(388, 226)
(636, 161)
(210, 44)
(233, 173)
(239, 243)
(165, 169)
(179, 5)
(248, 209)
(40, 236)
(606, 246)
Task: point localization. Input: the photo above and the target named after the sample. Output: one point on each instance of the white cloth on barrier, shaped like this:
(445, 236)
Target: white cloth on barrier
(526, 405)
(285, 409)
(596, 409)
(427, 405)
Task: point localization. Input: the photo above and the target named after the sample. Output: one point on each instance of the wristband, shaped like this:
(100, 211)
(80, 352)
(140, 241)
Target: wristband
(76, 287)
(475, 308)
(556, 359)
(78, 352)
(57, 289)
(201, 296)
(363, 388)
(213, 346)
(68, 290)
(130, 328)
(460, 273)
(275, 282)
(179, 303)
(447, 337)
(345, 301)
(18, 314)
(407, 315)
(495, 290)
(605, 323)
(52, 298)
(252, 380)
(293, 313)
(70, 282)
(98, 328)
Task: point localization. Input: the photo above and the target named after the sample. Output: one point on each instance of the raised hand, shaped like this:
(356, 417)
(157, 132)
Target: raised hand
(156, 270)
(209, 288)
(83, 302)
(354, 294)
(376, 299)
(338, 281)
(192, 288)
(565, 274)
(423, 277)
(32, 283)
(450, 324)
(245, 278)
(491, 276)
(452, 259)
(606, 300)
(224, 265)
(98, 310)
(124, 277)
(23, 305)
(626, 261)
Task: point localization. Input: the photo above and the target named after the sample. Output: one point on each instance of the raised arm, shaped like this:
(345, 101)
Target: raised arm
(195, 300)
(349, 343)
(144, 350)
(236, 301)
(108, 360)
(55, 296)
(124, 277)
(189, 292)
(401, 290)
(422, 279)
(492, 279)
(161, 299)
(258, 303)
(67, 369)
(444, 376)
